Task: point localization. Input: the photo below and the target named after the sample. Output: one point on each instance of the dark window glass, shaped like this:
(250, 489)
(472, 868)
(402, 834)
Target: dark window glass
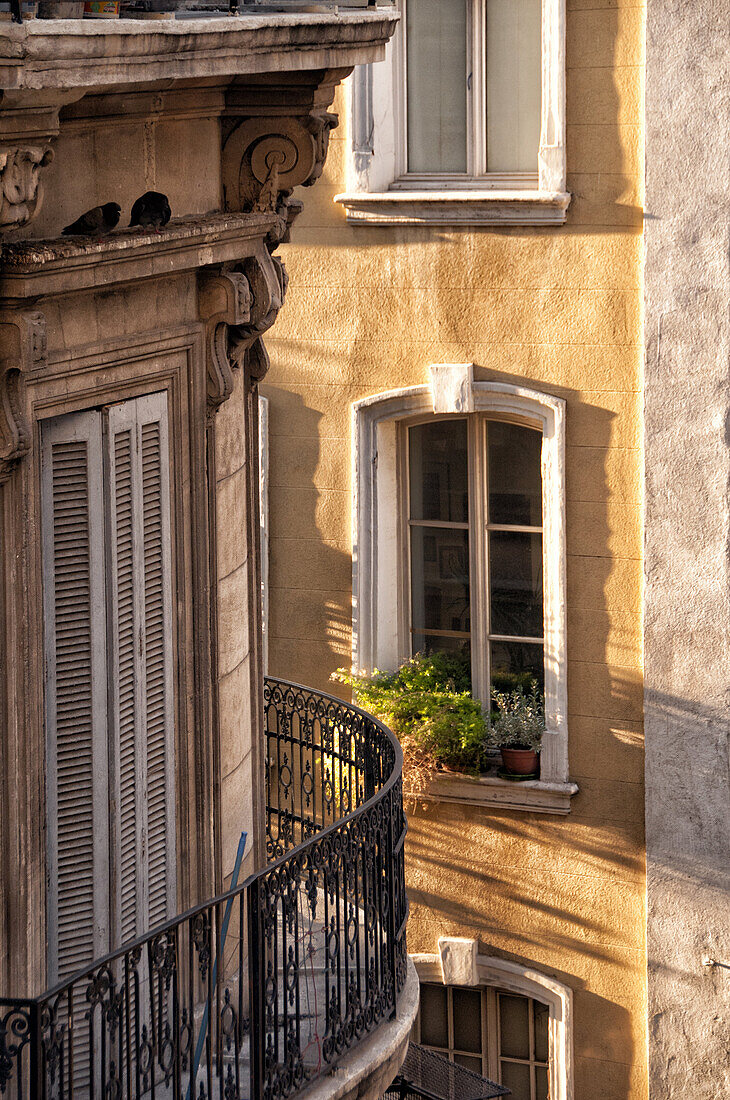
(514, 1027)
(541, 1082)
(515, 664)
(439, 470)
(515, 479)
(474, 1064)
(516, 1077)
(542, 1014)
(467, 1008)
(440, 579)
(434, 1019)
(515, 576)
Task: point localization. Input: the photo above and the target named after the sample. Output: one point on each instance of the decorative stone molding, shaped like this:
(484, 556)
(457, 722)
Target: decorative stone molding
(21, 189)
(23, 340)
(239, 305)
(458, 960)
(296, 147)
(28, 125)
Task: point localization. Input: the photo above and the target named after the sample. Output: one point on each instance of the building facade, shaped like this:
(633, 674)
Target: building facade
(146, 768)
(456, 461)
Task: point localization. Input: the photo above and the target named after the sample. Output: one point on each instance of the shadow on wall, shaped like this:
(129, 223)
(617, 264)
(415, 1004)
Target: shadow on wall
(310, 575)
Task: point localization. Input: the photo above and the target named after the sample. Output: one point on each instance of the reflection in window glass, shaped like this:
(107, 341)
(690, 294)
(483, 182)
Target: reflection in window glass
(439, 467)
(515, 665)
(515, 478)
(515, 575)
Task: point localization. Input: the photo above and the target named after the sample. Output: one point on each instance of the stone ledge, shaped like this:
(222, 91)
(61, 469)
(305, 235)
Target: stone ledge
(456, 207)
(64, 264)
(73, 53)
(533, 795)
(366, 1073)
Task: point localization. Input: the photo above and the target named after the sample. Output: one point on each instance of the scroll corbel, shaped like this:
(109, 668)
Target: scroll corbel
(224, 301)
(24, 349)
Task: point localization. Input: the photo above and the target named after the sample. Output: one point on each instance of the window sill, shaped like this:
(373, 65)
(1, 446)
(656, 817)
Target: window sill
(535, 795)
(456, 207)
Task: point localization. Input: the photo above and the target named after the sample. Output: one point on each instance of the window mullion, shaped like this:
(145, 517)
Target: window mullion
(477, 92)
(477, 586)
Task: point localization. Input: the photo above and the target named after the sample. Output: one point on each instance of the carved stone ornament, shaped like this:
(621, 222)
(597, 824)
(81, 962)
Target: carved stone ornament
(239, 306)
(264, 159)
(24, 348)
(21, 189)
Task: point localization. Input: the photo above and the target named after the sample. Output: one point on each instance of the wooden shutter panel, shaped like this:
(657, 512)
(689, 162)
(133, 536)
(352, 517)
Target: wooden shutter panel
(76, 702)
(141, 665)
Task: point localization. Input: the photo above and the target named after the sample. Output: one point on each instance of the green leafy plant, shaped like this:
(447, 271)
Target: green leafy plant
(520, 719)
(427, 703)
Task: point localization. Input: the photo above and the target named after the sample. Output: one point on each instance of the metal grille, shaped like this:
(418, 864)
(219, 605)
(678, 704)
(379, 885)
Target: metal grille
(259, 991)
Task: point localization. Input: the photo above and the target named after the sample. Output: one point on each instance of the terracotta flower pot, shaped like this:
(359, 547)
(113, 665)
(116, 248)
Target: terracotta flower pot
(520, 761)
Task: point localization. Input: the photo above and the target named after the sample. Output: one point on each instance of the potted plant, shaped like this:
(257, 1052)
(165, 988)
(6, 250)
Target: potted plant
(518, 728)
(428, 705)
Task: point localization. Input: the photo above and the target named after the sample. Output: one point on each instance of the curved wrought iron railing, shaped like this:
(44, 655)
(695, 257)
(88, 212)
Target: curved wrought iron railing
(262, 989)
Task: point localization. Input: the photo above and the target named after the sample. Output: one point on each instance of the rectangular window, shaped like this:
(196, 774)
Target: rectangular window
(473, 86)
(105, 501)
(475, 547)
(500, 1035)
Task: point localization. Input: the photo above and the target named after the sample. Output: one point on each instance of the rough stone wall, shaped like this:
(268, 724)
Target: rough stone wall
(367, 310)
(687, 572)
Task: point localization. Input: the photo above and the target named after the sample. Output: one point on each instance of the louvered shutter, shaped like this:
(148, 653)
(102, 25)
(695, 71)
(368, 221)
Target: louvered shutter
(75, 692)
(141, 663)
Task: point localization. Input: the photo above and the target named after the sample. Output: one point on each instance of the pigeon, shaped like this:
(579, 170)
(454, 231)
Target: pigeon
(96, 222)
(151, 209)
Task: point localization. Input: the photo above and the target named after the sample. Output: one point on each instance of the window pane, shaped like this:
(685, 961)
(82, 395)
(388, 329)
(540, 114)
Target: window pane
(514, 82)
(434, 1021)
(436, 59)
(541, 1031)
(439, 471)
(515, 479)
(467, 1006)
(474, 1064)
(515, 578)
(541, 1081)
(515, 664)
(514, 1027)
(459, 653)
(439, 579)
(516, 1078)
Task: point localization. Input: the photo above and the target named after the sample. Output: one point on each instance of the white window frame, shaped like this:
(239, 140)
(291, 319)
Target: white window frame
(491, 972)
(380, 190)
(379, 640)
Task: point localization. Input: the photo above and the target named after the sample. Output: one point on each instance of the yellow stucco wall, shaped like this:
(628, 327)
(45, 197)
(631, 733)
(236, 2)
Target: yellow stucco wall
(367, 310)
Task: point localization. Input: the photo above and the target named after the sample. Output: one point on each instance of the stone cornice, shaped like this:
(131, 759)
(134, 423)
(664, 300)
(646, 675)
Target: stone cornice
(31, 269)
(76, 54)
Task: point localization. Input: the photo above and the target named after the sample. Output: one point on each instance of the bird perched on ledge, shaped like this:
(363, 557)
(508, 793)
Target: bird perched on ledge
(95, 223)
(151, 209)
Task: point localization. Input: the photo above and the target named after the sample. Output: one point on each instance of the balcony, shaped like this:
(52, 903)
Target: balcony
(296, 980)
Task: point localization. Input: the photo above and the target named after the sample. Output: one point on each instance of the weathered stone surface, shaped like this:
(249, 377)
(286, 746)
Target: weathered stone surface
(687, 585)
(77, 54)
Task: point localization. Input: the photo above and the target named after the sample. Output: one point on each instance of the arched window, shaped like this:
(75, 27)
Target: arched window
(459, 536)
(511, 1023)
